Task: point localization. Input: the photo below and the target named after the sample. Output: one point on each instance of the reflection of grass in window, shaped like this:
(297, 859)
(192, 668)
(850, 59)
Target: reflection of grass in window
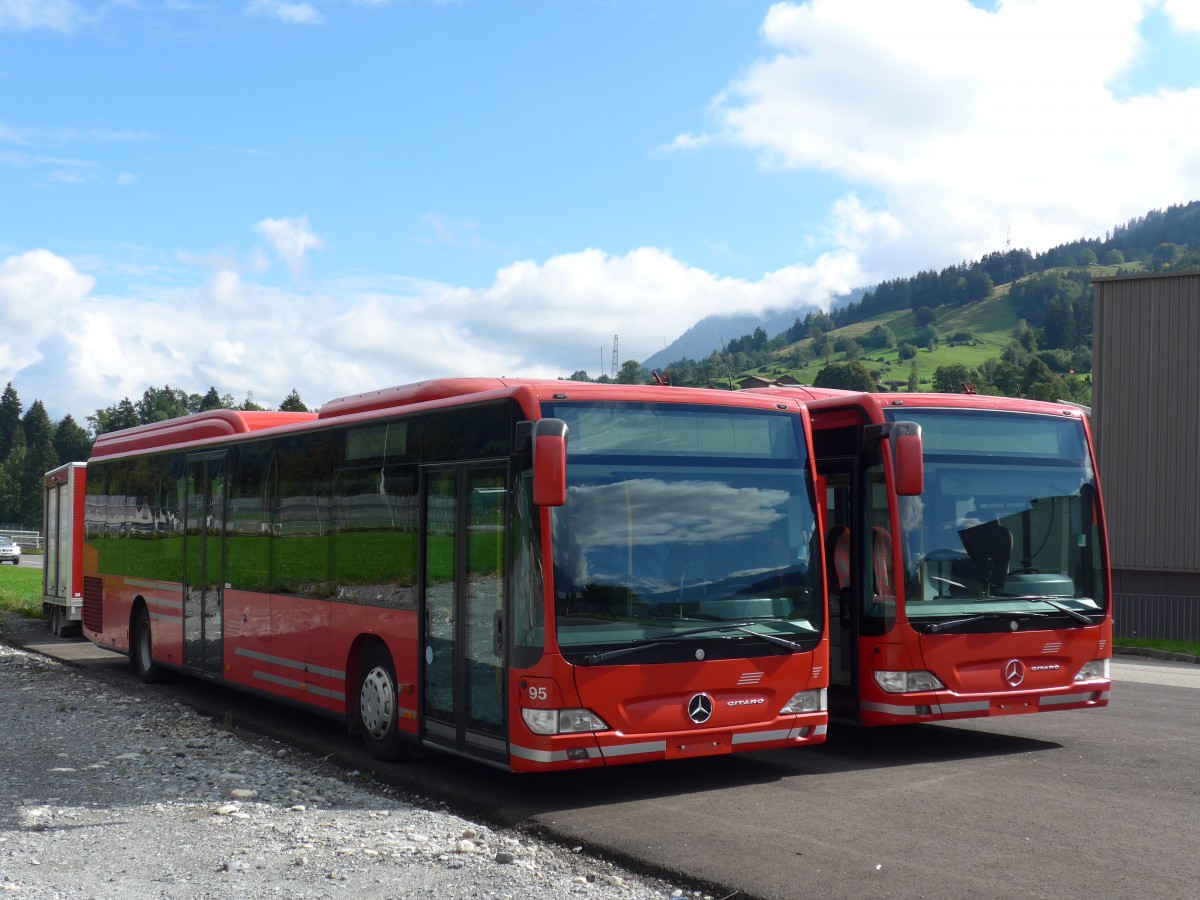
(247, 562)
(486, 552)
(301, 562)
(375, 557)
(439, 558)
(158, 556)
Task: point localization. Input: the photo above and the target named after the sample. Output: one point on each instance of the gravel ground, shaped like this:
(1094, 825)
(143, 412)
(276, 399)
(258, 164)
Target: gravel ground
(117, 792)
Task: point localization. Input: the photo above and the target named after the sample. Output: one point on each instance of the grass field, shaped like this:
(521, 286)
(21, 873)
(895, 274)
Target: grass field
(990, 322)
(1188, 647)
(21, 590)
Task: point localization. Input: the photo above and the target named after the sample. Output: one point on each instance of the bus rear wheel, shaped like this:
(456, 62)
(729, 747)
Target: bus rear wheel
(377, 712)
(141, 652)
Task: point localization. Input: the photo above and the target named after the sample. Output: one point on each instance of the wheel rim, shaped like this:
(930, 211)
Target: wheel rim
(377, 702)
(143, 647)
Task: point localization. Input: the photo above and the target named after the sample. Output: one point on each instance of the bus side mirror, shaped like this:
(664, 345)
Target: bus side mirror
(909, 458)
(549, 462)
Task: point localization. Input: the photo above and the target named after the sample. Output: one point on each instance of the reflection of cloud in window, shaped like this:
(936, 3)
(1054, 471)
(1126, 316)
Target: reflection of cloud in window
(653, 511)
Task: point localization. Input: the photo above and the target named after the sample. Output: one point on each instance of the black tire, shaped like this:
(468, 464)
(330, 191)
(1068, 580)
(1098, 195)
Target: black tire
(140, 650)
(377, 717)
(56, 628)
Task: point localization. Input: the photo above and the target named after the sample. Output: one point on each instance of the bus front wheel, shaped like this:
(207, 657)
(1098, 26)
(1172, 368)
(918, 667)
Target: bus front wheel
(140, 654)
(377, 713)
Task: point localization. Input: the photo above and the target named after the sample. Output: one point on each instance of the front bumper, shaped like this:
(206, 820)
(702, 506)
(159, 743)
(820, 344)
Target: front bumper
(936, 706)
(610, 748)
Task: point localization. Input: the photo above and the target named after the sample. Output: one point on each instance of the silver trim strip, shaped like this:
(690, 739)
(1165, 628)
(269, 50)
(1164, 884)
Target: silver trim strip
(632, 749)
(167, 586)
(755, 737)
(892, 710)
(289, 663)
(165, 617)
(546, 756)
(964, 706)
(301, 686)
(1063, 699)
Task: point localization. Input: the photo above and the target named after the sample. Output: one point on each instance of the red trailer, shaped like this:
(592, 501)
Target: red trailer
(65, 490)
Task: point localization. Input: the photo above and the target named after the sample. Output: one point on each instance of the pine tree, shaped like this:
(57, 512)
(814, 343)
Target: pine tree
(10, 421)
(39, 458)
(71, 442)
(293, 403)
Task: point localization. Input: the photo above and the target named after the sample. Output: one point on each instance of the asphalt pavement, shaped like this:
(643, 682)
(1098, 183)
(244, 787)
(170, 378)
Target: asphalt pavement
(1063, 805)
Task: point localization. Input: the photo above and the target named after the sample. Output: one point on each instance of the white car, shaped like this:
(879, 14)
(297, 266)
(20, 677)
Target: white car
(9, 551)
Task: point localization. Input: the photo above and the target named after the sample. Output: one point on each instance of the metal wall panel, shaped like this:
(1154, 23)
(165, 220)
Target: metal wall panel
(1146, 416)
(1156, 616)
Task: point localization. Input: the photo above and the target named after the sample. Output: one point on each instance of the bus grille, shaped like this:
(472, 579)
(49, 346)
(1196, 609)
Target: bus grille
(93, 604)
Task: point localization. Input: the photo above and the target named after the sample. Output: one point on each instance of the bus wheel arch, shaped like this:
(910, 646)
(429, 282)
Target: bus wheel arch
(141, 644)
(376, 715)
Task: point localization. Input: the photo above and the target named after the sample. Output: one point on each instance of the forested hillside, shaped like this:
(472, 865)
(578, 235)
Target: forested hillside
(1013, 323)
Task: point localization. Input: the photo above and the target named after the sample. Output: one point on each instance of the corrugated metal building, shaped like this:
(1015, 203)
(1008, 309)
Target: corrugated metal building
(1146, 419)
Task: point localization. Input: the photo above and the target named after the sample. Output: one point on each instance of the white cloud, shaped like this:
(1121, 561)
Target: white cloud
(1185, 14)
(79, 350)
(292, 13)
(958, 124)
(26, 15)
(38, 291)
(291, 239)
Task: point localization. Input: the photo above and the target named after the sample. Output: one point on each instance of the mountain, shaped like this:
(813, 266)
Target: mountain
(713, 332)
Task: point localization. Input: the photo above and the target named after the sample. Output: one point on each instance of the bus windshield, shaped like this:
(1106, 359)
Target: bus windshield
(1006, 534)
(682, 516)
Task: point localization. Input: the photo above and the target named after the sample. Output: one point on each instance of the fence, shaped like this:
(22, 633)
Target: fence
(30, 540)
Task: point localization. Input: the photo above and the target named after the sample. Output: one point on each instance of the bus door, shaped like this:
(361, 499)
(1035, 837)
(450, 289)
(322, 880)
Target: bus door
(463, 679)
(842, 578)
(203, 563)
(858, 565)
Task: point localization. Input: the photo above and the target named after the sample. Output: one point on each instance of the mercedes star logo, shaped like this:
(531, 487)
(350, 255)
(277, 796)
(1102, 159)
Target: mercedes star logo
(1014, 672)
(700, 707)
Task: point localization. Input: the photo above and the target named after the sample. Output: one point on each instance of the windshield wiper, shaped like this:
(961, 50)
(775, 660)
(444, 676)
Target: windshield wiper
(982, 617)
(1075, 614)
(595, 659)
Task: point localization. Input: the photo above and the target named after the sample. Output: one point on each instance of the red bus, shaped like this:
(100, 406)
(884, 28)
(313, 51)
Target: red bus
(970, 578)
(537, 575)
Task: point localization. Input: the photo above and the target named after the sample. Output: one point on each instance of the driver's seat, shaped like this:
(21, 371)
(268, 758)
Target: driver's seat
(990, 547)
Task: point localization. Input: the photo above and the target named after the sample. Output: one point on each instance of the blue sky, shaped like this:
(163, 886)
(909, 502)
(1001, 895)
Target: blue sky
(337, 196)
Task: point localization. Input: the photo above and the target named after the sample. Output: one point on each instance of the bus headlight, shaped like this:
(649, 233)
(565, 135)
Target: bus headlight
(1096, 668)
(907, 682)
(562, 721)
(806, 702)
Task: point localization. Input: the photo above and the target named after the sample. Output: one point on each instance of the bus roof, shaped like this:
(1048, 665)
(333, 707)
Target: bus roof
(214, 423)
(542, 388)
(825, 397)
